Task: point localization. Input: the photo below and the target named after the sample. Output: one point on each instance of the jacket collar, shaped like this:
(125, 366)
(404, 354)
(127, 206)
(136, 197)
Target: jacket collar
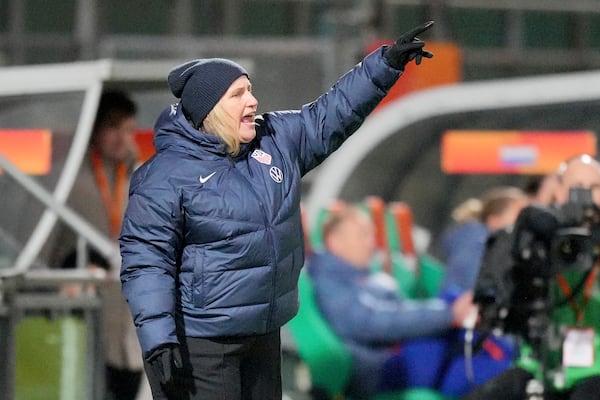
(172, 129)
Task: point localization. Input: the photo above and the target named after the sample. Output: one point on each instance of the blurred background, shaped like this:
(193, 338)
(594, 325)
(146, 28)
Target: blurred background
(497, 38)
(296, 49)
(506, 68)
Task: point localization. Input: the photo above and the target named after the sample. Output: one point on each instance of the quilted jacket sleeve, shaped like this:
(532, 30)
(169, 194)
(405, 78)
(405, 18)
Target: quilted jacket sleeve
(150, 243)
(320, 127)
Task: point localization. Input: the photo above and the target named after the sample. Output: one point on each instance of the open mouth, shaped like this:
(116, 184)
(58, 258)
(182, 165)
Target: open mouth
(248, 118)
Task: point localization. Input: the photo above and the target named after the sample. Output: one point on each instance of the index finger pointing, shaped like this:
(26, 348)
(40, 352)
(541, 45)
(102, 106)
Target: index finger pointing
(419, 29)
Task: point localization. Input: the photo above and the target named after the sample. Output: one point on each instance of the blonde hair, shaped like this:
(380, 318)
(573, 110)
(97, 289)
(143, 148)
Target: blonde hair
(497, 200)
(469, 209)
(220, 123)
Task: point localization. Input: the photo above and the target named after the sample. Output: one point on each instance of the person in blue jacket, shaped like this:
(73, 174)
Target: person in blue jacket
(212, 241)
(463, 245)
(396, 343)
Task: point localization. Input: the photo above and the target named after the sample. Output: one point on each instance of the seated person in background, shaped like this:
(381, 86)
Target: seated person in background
(464, 244)
(570, 375)
(395, 343)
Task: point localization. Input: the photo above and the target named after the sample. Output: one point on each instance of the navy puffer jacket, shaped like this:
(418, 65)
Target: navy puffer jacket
(213, 244)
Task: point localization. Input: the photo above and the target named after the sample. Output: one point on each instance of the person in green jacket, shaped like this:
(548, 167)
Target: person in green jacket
(571, 344)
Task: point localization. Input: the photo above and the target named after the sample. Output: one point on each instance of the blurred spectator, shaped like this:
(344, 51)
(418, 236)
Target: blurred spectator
(95, 261)
(541, 189)
(570, 375)
(582, 171)
(464, 244)
(501, 206)
(99, 195)
(468, 210)
(396, 343)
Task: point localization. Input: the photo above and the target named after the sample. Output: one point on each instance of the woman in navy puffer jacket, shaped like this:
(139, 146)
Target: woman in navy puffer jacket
(212, 242)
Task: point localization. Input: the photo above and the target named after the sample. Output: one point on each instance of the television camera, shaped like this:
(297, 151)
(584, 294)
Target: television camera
(513, 287)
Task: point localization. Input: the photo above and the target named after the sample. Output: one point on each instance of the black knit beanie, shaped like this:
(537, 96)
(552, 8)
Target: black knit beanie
(201, 83)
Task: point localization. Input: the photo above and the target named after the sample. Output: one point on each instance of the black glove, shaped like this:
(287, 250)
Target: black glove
(163, 360)
(407, 48)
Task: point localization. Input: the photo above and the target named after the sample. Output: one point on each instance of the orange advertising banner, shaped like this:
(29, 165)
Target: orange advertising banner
(445, 68)
(30, 150)
(143, 139)
(511, 152)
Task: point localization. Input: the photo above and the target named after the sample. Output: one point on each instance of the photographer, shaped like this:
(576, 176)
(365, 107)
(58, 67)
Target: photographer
(548, 293)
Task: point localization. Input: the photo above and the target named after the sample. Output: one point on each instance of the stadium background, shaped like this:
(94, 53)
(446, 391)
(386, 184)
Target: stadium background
(295, 49)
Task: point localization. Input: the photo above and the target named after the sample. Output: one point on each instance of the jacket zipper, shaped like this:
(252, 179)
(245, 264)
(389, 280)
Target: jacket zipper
(271, 245)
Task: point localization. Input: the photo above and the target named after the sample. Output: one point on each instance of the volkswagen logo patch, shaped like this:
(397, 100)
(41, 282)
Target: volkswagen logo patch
(276, 174)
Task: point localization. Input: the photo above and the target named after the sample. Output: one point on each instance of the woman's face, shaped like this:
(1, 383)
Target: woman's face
(241, 105)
